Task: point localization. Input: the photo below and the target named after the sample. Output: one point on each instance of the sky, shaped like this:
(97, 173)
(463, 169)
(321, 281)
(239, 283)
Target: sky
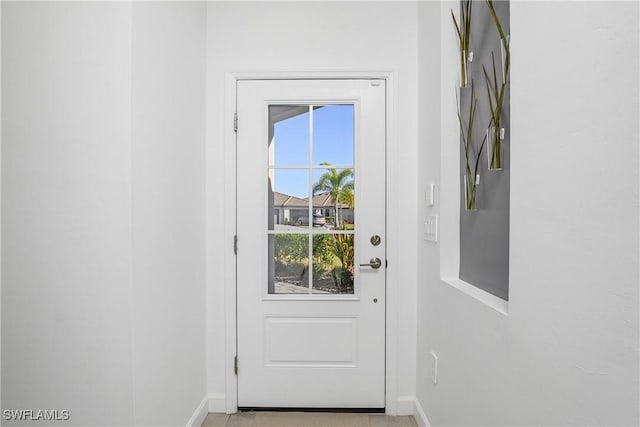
(333, 137)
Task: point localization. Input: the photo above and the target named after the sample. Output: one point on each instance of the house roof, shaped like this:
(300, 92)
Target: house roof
(319, 201)
(281, 199)
(324, 200)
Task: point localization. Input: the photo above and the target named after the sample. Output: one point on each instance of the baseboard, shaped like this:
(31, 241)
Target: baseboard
(419, 415)
(405, 405)
(200, 414)
(217, 403)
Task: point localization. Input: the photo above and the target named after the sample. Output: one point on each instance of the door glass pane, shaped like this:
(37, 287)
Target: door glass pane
(332, 262)
(288, 196)
(333, 187)
(288, 135)
(289, 263)
(333, 135)
(310, 199)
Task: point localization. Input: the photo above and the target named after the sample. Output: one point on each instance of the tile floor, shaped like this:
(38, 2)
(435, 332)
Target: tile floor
(306, 419)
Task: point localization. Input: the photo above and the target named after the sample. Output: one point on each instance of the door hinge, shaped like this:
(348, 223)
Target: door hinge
(235, 365)
(235, 122)
(235, 244)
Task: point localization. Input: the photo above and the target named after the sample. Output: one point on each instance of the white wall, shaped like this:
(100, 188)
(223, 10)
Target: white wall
(66, 210)
(567, 352)
(0, 203)
(304, 36)
(429, 134)
(103, 181)
(103, 287)
(168, 153)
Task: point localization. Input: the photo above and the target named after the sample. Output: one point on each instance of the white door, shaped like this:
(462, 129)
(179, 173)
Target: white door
(311, 243)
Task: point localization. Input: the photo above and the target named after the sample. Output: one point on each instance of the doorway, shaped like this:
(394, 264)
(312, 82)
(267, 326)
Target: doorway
(311, 259)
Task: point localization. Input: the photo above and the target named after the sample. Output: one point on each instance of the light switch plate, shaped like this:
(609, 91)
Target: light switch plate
(430, 195)
(431, 228)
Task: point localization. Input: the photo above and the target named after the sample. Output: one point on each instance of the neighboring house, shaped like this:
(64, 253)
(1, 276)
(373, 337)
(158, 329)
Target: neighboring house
(322, 204)
(288, 209)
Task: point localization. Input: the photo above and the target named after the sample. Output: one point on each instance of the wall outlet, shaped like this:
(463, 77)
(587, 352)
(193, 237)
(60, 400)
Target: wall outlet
(434, 370)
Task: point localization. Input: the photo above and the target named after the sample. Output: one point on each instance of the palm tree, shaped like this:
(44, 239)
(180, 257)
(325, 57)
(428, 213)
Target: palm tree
(339, 186)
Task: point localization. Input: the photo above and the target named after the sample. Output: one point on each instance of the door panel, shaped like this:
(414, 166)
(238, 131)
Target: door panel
(311, 194)
(320, 341)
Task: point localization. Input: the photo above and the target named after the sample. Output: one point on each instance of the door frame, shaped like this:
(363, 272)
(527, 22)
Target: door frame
(392, 221)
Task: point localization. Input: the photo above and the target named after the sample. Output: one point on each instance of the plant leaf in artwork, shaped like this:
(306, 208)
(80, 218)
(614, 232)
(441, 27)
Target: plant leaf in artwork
(463, 134)
(495, 78)
(472, 111)
(495, 97)
(471, 151)
(455, 24)
(467, 22)
(488, 85)
(496, 20)
(484, 140)
(495, 94)
(463, 31)
(503, 39)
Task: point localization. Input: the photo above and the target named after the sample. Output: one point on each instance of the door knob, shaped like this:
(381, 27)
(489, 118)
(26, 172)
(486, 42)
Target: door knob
(374, 263)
